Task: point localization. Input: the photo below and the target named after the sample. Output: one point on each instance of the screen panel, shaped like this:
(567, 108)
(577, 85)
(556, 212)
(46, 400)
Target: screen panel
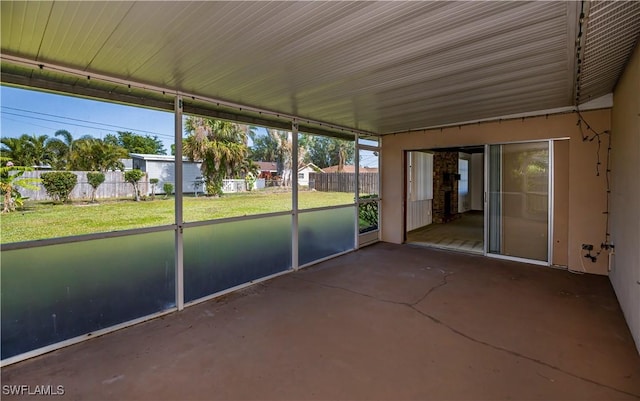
(57, 292)
(326, 232)
(221, 256)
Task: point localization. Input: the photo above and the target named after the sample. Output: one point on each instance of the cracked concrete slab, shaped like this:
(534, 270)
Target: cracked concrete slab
(386, 322)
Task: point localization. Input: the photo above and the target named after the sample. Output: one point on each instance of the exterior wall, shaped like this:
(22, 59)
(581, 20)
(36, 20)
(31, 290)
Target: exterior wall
(585, 194)
(561, 203)
(165, 172)
(625, 194)
(303, 176)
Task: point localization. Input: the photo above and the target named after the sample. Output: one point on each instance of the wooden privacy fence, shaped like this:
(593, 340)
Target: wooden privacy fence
(344, 182)
(114, 186)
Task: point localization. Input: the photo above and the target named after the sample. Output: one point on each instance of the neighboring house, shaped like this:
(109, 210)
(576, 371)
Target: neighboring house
(127, 163)
(303, 173)
(267, 169)
(162, 167)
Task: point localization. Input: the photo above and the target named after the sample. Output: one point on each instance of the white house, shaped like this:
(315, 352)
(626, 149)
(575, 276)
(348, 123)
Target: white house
(162, 167)
(303, 173)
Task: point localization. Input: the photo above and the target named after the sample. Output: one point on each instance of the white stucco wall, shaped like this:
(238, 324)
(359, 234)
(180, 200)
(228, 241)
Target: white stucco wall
(625, 194)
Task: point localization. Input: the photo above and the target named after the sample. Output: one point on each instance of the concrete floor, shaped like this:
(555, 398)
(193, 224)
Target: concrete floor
(464, 234)
(388, 322)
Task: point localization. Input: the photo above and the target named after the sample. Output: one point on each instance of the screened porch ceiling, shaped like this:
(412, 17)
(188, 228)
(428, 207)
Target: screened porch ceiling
(378, 67)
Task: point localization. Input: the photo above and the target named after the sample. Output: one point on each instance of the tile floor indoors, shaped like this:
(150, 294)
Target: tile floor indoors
(464, 234)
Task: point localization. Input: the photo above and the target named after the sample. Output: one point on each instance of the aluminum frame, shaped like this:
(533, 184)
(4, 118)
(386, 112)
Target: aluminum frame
(550, 204)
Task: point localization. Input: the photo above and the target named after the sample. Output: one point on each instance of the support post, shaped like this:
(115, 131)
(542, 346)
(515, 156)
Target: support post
(356, 195)
(179, 262)
(294, 195)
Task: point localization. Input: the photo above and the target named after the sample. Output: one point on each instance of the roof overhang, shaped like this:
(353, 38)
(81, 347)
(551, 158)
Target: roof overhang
(334, 67)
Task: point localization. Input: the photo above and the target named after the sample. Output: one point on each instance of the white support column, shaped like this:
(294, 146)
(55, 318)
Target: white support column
(179, 265)
(356, 164)
(294, 194)
(550, 195)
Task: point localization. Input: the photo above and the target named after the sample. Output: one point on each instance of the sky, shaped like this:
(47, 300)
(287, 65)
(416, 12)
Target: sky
(41, 113)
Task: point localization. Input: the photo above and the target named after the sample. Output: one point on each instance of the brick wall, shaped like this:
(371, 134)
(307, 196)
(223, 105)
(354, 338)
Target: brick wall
(445, 187)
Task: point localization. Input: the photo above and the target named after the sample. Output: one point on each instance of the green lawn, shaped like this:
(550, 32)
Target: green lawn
(41, 220)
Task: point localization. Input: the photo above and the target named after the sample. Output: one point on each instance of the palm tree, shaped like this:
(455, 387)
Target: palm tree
(220, 145)
(28, 150)
(40, 154)
(342, 154)
(15, 149)
(284, 153)
(92, 154)
(62, 149)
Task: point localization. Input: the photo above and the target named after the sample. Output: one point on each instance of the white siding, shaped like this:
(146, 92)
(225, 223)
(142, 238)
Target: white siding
(165, 172)
(419, 189)
(303, 176)
(420, 176)
(418, 214)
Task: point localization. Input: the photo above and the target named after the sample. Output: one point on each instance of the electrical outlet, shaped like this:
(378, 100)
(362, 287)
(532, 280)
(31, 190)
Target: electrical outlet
(587, 247)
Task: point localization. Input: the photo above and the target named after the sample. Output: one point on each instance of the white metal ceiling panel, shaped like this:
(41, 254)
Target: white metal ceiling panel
(377, 66)
(613, 29)
(77, 31)
(23, 26)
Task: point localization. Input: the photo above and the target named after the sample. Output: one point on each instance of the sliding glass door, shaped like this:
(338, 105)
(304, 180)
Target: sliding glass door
(517, 213)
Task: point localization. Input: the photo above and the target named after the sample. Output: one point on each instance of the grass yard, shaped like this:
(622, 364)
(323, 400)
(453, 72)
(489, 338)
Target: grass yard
(41, 220)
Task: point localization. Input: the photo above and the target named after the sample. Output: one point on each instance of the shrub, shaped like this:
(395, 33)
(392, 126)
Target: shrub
(368, 214)
(153, 182)
(167, 187)
(250, 179)
(59, 184)
(95, 178)
(132, 177)
(10, 179)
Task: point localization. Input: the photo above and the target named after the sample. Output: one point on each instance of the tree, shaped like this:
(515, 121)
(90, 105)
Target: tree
(39, 152)
(92, 154)
(326, 152)
(220, 145)
(264, 148)
(95, 179)
(167, 187)
(15, 150)
(59, 184)
(28, 150)
(132, 177)
(10, 179)
(62, 149)
(153, 182)
(135, 143)
(284, 140)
